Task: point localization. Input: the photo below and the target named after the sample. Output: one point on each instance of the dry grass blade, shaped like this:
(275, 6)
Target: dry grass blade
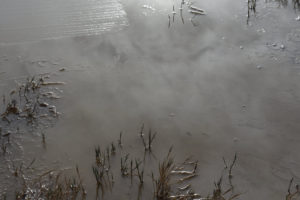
(291, 195)
(120, 140)
(187, 178)
(52, 83)
(162, 184)
(124, 165)
(184, 187)
(52, 188)
(231, 166)
(139, 171)
(147, 144)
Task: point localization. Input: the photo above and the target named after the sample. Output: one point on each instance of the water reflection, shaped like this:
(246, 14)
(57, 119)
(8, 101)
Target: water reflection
(281, 3)
(33, 20)
(285, 3)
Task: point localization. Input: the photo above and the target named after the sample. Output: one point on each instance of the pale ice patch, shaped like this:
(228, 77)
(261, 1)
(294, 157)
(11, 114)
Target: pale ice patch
(32, 20)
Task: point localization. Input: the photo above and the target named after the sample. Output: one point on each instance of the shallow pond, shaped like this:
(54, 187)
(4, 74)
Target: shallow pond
(210, 85)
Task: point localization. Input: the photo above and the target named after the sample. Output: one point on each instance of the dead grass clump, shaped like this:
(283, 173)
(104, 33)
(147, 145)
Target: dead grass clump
(251, 8)
(296, 4)
(292, 195)
(29, 101)
(52, 186)
(285, 3)
(102, 170)
(168, 186)
(185, 7)
(151, 137)
(162, 184)
(27, 106)
(171, 181)
(220, 194)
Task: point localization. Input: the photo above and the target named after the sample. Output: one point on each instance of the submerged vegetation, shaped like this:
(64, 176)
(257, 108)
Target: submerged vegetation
(30, 104)
(252, 4)
(251, 8)
(195, 11)
(292, 194)
(51, 186)
(284, 3)
(170, 180)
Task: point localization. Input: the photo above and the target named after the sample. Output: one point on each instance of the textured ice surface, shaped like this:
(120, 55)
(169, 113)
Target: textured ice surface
(31, 20)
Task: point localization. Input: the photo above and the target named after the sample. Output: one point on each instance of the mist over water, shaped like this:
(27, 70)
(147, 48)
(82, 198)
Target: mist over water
(197, 84)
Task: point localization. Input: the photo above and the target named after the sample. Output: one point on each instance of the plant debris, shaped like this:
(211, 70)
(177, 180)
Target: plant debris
(171, 181)
(29, 105)
(52, 186)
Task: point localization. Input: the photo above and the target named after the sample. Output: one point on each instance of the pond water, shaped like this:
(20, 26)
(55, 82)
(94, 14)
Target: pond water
(210, 85)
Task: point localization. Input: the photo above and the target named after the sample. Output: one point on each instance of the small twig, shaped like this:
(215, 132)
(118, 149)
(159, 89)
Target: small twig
(120, 140)
(184, 187)
(225, 164)
(113, 149)
(131, 171)
(187, 178)
(30, 164)
(140, 173)
(231, 166)
(174, 13)
(44, 140)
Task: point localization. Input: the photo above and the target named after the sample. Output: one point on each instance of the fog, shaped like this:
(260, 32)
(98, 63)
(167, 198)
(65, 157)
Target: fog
(211, 88)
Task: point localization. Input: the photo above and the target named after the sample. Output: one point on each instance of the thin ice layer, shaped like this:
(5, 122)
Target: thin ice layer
(31, 20)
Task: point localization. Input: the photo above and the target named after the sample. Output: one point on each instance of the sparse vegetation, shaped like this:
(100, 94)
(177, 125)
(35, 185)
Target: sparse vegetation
(102, 171)
(252, 4)
(28, 105)
(163, 182)
(284, 3)
(167, 184)
(171, 181)
(32, 101)
(251, 8)
(52, 186)
(192, 10)
(292, 195)
(151, 137)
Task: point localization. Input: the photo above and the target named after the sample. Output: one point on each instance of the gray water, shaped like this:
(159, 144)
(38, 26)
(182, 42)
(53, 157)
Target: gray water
(197, 84)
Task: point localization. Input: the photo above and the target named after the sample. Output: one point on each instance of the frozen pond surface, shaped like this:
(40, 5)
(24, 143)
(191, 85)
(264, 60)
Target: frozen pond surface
(23, 21)
(210, 88)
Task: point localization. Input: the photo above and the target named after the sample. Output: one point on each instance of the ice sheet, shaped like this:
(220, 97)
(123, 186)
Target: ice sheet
(31, 20)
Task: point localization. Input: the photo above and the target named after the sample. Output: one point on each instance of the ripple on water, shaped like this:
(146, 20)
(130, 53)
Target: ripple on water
(23, 21)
